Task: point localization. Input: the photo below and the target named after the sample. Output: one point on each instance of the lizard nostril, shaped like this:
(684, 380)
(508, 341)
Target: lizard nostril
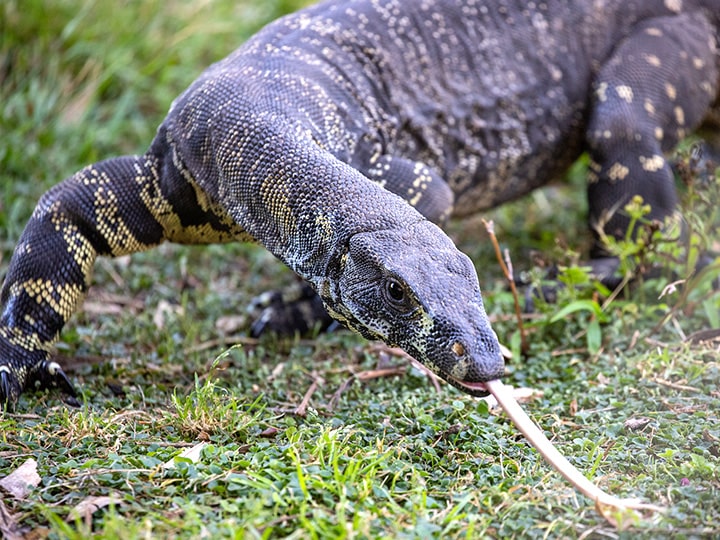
(458, 348)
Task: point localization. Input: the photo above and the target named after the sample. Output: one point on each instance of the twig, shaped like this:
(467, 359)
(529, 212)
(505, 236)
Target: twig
(675, 386)
(221, 342)
(301, 410)
(9, 526)
(380, 373)
(704, 336)
(507, 271)
(434, 379)
(335, 399)
(399, 353)
(364, 376)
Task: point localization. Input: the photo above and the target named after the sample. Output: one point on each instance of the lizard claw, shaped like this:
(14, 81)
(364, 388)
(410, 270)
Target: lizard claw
(9, 388)
(50, 375)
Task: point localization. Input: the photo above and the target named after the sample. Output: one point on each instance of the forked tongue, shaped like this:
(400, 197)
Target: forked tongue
(619, 512)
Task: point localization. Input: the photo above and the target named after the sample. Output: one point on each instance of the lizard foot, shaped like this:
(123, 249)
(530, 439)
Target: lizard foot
(297, 310)
(9, 388)
(31, 370)
(49, 375)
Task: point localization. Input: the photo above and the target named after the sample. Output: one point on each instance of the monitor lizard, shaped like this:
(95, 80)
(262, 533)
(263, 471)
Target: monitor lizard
(340, 136)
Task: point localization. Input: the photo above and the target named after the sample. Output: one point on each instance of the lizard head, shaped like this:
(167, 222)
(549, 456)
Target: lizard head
(411, 287)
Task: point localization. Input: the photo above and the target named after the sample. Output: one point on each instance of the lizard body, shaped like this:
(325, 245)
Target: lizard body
(336, 136)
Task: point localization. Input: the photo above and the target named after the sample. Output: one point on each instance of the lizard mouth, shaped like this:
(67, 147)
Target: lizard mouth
(476, 389)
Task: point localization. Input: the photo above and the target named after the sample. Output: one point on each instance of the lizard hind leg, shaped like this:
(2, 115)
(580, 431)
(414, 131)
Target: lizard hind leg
(658, 86)
(295, 310)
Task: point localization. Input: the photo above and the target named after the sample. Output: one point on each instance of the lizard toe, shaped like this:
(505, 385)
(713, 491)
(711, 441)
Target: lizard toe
(9, 388)
(50, 375)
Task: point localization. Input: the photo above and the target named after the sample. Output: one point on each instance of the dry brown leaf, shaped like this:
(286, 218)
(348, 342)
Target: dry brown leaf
(100, 302)
(230, 324)
(270, 433)
(524, 394)
(102, 308)
(21, 481)
(573, 407)
(89, 505)
(165, 308)
(193, 454)
(636, 423)
(521, 395)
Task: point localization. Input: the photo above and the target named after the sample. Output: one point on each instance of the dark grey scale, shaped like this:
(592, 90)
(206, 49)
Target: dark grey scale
(415, 182)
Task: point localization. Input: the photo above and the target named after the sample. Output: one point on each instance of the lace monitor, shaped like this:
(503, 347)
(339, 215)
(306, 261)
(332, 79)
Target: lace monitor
(338, 136)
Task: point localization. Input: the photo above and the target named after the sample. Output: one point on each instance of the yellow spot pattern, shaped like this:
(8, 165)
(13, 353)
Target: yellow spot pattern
(625, 93)
(76, 244)
(653, 163)
(27, 341)
(62, 298)
(277, 202)
(679, 115)
(618, 171)
(112, 227)
(164, 213)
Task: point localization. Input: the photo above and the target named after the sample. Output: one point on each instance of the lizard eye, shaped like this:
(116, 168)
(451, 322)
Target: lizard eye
(396, 296)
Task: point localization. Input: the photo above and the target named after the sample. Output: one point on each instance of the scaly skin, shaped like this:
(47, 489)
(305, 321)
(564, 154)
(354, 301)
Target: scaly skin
(335, 137)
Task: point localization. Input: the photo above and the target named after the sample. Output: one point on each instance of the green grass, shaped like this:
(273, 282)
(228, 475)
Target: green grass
(387, 457)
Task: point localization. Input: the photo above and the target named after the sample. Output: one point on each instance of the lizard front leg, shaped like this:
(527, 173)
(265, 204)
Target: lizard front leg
(115, 207)
(415, 182)
(95, 212)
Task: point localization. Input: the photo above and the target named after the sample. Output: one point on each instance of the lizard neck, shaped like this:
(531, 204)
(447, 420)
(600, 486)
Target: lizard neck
(303, 204)
(275, 178)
